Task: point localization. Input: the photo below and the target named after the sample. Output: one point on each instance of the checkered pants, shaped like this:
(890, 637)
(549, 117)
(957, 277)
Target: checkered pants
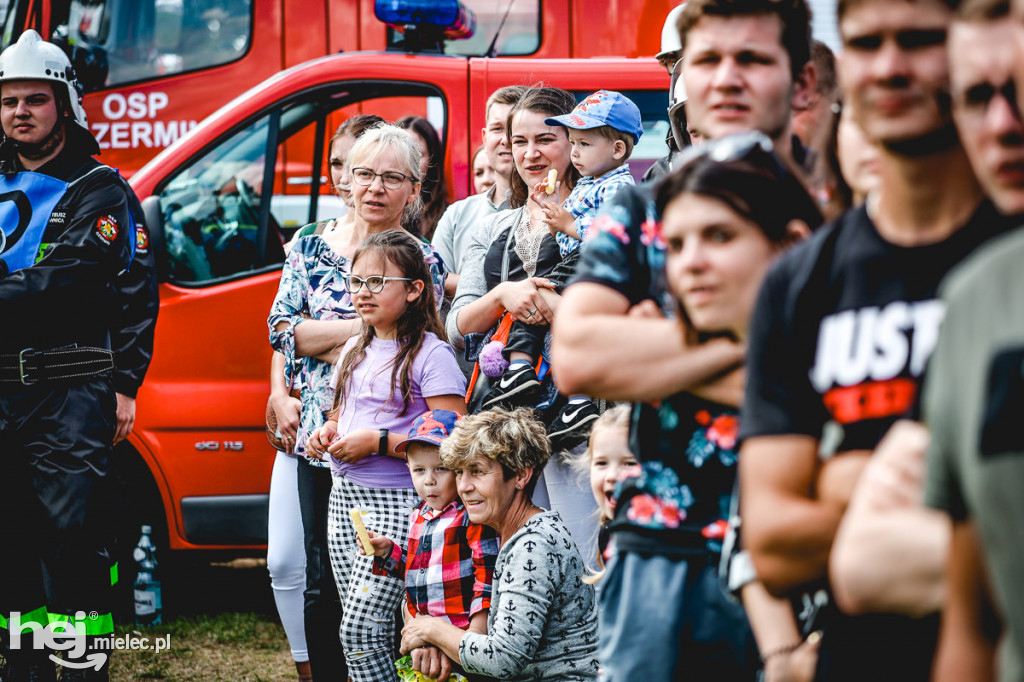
(369, 602)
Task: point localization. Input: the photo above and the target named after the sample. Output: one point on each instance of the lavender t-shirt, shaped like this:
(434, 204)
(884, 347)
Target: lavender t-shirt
(435, 372)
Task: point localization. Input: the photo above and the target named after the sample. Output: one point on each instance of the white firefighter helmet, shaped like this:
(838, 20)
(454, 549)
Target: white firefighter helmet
(670, 34)
(676, 107)
(32, 58)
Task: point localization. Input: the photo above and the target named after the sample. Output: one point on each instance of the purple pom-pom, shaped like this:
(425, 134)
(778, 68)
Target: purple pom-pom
(492, 362)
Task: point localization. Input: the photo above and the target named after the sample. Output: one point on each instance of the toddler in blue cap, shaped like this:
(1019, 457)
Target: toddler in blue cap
(602, 131)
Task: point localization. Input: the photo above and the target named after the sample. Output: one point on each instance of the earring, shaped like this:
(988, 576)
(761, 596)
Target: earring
(519, 486)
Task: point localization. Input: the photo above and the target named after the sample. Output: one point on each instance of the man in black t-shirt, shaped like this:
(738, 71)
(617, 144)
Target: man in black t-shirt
(843, 328)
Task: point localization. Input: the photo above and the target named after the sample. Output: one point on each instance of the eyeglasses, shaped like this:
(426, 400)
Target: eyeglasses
(390, 179)
(374, 283)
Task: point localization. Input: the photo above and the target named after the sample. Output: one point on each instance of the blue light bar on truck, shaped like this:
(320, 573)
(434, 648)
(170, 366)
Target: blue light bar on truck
(450, 16)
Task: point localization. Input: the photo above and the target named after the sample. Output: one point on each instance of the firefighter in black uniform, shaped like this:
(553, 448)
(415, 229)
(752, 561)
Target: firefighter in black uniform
(77, 309)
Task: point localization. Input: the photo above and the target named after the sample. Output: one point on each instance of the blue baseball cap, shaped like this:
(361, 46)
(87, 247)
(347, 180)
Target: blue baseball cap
(603, 108)
(431, 427)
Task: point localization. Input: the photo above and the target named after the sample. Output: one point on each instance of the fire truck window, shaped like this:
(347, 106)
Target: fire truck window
(293, 180)
(145, 39)
(211, 210)
(520, 35)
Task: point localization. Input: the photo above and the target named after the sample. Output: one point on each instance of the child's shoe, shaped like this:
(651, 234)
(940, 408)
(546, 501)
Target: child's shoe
(517, 387)
(572, 425)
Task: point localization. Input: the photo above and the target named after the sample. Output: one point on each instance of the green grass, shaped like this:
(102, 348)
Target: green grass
(222, 622)
(226, 646)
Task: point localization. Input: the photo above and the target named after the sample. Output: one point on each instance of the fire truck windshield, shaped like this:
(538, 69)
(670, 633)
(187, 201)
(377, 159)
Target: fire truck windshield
(520, 34)
(116, 42)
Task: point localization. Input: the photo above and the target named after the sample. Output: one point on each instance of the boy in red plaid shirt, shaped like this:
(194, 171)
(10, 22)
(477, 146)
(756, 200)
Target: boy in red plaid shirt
(449, 562)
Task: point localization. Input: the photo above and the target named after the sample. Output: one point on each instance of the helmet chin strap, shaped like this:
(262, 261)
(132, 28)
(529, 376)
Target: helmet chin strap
(44, 148)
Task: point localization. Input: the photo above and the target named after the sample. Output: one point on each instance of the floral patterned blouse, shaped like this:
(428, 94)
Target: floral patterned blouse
(680, 502)
(687, 446)
(313, 287)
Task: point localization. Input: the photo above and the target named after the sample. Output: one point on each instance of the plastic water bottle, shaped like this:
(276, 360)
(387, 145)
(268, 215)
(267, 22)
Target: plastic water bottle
(148, 602)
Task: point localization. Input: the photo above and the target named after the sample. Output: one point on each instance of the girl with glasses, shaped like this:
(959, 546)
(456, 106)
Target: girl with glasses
(394, 370)
(312, 318)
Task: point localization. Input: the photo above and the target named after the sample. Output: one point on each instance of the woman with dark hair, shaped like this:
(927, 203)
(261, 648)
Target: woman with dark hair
(310, 320)
(513, 265)
(727, 213)
(510, 259)
(435, 191)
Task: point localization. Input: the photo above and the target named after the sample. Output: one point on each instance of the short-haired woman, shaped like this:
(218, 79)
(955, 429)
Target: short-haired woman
(543, 622)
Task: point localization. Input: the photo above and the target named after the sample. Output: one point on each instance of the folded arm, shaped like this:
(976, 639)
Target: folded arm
(786, 530)
(593, 329)
(890, 551)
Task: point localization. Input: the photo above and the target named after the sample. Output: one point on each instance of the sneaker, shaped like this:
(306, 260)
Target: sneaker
(572, 425)
(517, 387)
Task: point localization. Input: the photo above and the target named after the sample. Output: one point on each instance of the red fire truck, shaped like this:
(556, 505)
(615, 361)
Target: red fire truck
(154, 68)
(221, 201)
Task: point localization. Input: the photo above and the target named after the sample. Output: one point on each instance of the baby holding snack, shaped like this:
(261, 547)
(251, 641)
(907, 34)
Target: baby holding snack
(603, 129)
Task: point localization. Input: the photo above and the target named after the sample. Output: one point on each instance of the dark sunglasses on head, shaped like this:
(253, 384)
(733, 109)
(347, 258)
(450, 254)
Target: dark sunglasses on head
(755, 149)
(753, 146)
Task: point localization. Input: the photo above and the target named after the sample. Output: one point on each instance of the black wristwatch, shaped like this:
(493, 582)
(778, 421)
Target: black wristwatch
(382, 446)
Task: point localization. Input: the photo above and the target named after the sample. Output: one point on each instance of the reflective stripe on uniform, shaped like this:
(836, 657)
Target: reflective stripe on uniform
(39, 616)
(98, 624)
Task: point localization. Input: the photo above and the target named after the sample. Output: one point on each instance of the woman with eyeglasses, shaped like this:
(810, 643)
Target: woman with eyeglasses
(726, 214)
(311, 319)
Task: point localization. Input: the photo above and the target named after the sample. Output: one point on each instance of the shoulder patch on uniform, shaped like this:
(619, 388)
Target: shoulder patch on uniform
(141, 238)
(106, 228)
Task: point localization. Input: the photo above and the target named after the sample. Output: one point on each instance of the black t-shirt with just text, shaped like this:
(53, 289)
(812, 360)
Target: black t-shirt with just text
(841, 334)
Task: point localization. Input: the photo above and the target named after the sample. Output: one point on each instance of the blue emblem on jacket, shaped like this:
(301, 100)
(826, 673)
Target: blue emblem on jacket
(26, 201)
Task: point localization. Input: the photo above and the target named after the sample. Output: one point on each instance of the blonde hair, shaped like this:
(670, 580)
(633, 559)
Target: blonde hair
(512, 438)
(389, 137)
(615, 417)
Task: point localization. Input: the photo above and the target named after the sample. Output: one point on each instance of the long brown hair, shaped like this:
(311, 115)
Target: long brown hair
(434, 192)
(541, 100)
(405, 253)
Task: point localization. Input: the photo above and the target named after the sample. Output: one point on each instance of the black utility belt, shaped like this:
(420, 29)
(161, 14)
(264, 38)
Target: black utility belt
(32, 366)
